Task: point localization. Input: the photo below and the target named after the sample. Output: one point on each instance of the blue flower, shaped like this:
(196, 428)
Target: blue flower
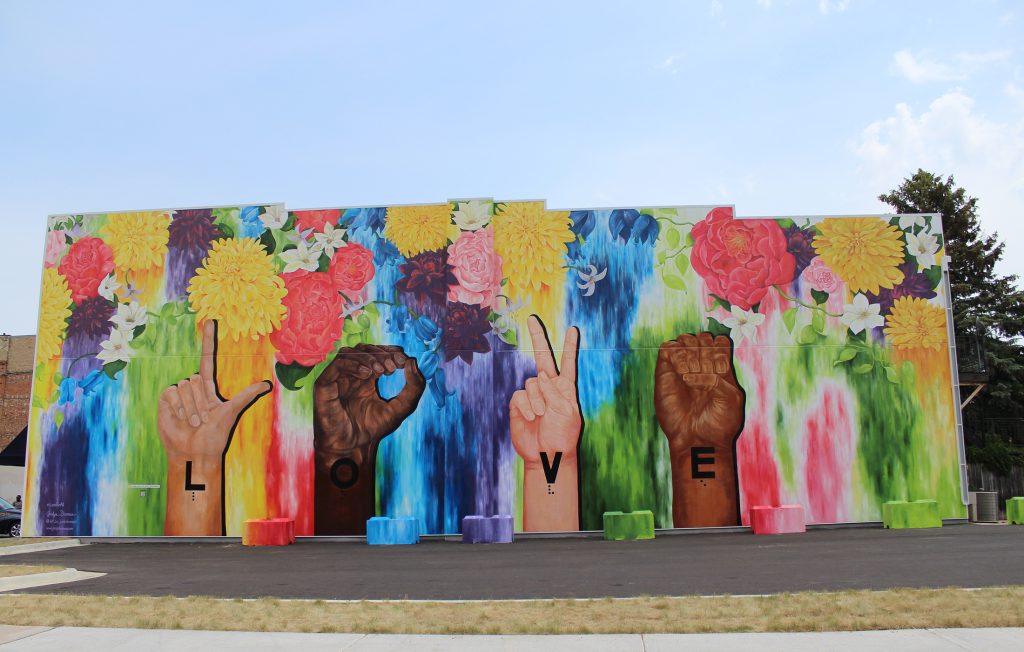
(91, 381)
(439, 388)
(398, 318)
(428, 364)
(371, 219)
(426, 330)
(385, 253)
(630, 224)
(583, 223)
(252, 225)
(67, 391)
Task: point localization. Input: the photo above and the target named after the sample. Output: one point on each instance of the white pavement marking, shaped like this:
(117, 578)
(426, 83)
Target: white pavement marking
(60, 639)
(19, 582)
(38, 547)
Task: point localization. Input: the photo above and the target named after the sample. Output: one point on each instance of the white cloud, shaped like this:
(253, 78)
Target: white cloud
(986, 158)
(828, 6)
(764, 4)
(716, 7)
(670, 64)
(920, 67)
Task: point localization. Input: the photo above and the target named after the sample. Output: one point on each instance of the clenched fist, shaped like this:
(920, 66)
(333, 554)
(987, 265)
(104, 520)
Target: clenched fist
(700, 407)
(350, 418)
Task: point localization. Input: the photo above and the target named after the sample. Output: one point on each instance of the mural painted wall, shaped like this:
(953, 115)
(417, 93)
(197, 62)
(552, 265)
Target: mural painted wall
(196, 368)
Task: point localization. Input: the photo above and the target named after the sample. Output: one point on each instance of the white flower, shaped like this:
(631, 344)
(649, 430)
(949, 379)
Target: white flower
(860, 314)
(590, 280)
(332, 238)
(907, 222)
(923, 247)
(472, 215)
(108, 287)
(503, 324)
(116, 348)
(129, 316)
(302, 257)
(743, 323)
(275, 217)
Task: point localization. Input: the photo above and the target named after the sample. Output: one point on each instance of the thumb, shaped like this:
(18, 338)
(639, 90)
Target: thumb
(243, 399)
(402, 405)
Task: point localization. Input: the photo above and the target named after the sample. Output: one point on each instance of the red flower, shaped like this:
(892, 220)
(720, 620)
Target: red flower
(740, 259)
(314, 321)
(351, 267)
(86, 264)
(316, 220)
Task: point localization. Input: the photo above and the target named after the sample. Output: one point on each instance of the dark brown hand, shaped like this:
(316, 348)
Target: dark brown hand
(350, 418)
(700, 407)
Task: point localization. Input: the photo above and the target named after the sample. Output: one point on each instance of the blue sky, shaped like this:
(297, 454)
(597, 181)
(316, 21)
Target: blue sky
(779, 107)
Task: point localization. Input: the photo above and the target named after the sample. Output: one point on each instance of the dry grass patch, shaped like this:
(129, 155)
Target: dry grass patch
(849, 610)
(20, 541)
(13, 570)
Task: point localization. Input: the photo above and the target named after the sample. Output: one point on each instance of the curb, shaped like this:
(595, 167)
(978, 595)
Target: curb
(38, 547)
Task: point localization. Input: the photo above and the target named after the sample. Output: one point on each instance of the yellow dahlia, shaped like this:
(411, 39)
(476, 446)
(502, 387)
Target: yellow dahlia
(531, 242)
(239, 287)
(54, 309)
(916, 324)
(139, 240)
(865, 252)
(415, 229)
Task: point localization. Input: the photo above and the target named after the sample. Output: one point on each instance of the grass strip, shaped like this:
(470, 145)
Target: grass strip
(13, 570)
(20, 541)
(787, 612)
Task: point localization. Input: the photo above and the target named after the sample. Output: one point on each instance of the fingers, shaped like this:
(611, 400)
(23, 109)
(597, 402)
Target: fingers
(534, 396)
(207, 363)
(519, 405)
(188, 401)
(722, 355)
(248, 396)
(570, 350)
(407, 399)
(170, 396)
(198, 388)
(542, 353)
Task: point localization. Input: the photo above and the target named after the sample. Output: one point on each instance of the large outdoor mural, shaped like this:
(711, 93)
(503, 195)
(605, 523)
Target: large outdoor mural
(196, 368)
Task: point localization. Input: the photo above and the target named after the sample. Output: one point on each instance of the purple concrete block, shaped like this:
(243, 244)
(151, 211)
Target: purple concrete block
(487, 529)
(780, 519)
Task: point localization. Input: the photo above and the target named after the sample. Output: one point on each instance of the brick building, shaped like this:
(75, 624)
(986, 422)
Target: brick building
(17, 353)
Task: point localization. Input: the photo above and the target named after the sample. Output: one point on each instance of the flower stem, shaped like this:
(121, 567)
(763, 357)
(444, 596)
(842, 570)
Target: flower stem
(669, 219)
(801, 303)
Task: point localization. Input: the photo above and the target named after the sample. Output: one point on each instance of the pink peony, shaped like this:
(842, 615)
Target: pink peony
(316, 220)
(820, 276)
(477, 269)
(351, 267)
(86, 264)
(740, 260)
(56, 245)
(314, 321)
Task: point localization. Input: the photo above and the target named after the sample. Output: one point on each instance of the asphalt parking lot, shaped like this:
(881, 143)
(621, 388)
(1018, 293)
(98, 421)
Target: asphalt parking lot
(718, 563)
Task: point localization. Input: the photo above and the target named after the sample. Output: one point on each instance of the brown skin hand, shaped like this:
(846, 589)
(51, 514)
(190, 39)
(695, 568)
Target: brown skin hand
(350, 418)
(700, 407)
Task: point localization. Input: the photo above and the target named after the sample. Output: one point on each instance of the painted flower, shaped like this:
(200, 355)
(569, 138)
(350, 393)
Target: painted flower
(302, 257)
(465, 330)
(139, 240)
(116, 348)
(740, 260)
(90, 382)
(351, 267)
(315, 220)
(59, 221)
(590, 279)
(130, 316)
(472, 215)
(415, 229)
(914, 284)
(820, 276)
(427, 363)
(331, 239)
(109, 287)
(91, 318)
(275, 217)
(923, 247)
(799, 242)
(426, 330)
(582, 224)
(866, 252)
(743, 324)
(861, 315)
(86, 264)
(56, 245)
(425, 276)
(67, 391)
(476, 268)
(238, 286)
(631, 224)
(193, 229)
(916, 324)
(252, 225)
(908, 222)
(54, 309)
(532, 245)
(314, 322)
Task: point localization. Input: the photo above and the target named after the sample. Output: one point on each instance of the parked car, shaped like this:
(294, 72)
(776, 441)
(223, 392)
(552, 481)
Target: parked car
(10, 519)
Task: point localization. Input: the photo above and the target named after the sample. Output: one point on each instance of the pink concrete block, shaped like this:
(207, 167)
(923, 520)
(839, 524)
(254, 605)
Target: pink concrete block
(781, 519)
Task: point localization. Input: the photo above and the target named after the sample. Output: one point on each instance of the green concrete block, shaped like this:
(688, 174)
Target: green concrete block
(619, 526)
(899, 514)
(1015, 510)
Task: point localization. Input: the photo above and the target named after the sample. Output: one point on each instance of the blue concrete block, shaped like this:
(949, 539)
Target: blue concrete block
(384, 531)
(487, 529)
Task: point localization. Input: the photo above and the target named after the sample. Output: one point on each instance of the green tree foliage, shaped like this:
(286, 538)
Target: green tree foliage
(985, 304)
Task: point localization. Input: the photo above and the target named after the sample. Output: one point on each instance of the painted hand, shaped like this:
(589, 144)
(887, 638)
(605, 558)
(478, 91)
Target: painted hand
(699, 405)
(546, 423)
(350, 418)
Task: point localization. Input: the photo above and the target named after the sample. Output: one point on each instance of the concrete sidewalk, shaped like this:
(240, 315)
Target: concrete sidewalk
(59, 639)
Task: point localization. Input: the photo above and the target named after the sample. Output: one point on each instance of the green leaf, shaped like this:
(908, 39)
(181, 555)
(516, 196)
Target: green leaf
(662, 255)
(688, 240)
(228, 232)
(848, 353)
(891, 375)
(682, 264)
(672, 238)
(818, 322)
(863, 368)
(807, 336)
(268, 242)
(38, 402)
(57, 377)
(674, 282)
(371, 308)
(364, 321)
(111, 368)
(138, 330)
(785, 223)
(819, 296)
(789, 319)
(58, 418)
(289, 224)
(168, 309)
(509, 337)
(323, 263)
(934, 275)
(716, 327)
(720, 301)
(351, 339)
(291, 374)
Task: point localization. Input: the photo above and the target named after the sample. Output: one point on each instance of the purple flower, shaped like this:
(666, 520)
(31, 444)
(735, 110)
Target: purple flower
(914, 284)
(426, 277)
(193, 229)
(799, 244)
(465, 330)
(91, 318)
